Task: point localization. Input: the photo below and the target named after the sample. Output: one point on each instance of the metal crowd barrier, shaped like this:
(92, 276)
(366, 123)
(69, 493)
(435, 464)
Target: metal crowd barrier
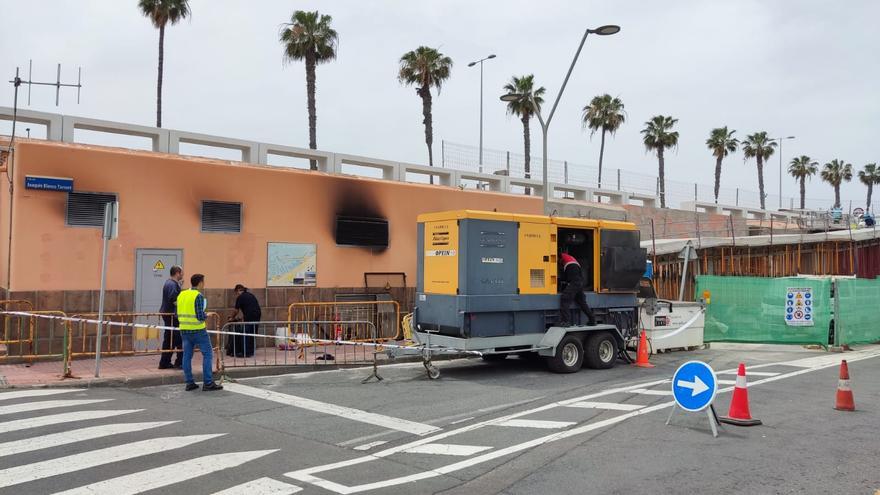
(125, 334)
(274, 343)
(383, 315)
(27, 338)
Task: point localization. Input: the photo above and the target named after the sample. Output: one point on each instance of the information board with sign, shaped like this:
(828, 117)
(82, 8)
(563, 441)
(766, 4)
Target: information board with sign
(799, 306)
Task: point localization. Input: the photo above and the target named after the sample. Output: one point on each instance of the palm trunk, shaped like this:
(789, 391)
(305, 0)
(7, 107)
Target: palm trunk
(313, 118)
(717, 177)
(661, 176)
(527, 149)
(803, 191)
(837, 195)
(425, 93)
(761, 179)
(159, 82)
(870, 190)
(601, 156)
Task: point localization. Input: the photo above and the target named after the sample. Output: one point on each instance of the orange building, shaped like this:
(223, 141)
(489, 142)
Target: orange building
(213, 217)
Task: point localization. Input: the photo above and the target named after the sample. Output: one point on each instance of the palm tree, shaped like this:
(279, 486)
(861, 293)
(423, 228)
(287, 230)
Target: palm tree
(759, 147)
(606, 113)
(835, 173)
(522, 107)
(425, 67)
(162, 12)
(721, 142)
(658, 136)
(309, 37)
(802, 168)
(870, 176)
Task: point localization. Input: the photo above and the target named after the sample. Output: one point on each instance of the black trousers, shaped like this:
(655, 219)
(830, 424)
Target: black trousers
(171, 340)
(574, 293)
(242, 345)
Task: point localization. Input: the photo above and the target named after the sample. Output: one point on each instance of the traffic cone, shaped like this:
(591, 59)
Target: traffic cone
(844, 393)
(739, 415)
(642, 355)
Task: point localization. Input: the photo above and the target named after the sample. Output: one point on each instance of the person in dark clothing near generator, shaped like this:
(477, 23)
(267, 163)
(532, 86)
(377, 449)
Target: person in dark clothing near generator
(171, 338)
(573, 292)
(248, 307)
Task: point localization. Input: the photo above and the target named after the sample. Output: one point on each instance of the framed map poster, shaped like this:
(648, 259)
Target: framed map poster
(291, 265)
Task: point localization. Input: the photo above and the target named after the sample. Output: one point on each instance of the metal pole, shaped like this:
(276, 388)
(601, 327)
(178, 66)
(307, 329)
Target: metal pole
(101, 307)
(780, 173)
(684, 271)
(618, 179)
(565, 165)
(481, 116)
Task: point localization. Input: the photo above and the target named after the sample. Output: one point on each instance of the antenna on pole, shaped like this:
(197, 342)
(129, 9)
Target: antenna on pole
(58, 84)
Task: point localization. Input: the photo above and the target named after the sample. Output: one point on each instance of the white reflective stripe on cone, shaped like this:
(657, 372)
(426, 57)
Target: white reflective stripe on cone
(741, 381)
(843, 385)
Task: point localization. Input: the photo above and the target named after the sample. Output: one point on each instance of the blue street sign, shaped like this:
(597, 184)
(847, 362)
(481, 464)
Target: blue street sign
(62, 184)
(694, 386)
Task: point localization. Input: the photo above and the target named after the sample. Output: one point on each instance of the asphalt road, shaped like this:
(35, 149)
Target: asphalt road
(509, 428)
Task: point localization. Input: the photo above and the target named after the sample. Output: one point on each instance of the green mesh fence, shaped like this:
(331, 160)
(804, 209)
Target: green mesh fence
(858, 322)
(756, 309)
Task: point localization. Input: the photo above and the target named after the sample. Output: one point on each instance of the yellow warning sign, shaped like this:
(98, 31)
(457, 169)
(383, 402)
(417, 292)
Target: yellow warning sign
(158, 266)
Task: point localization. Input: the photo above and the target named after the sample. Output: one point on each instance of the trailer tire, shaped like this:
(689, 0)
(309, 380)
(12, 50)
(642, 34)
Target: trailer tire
(601, 351)
(569, 356)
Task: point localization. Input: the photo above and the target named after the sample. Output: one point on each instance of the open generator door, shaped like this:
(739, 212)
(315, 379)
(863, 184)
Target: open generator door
(622, 260)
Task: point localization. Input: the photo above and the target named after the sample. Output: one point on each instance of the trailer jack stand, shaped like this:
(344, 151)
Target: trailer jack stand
(375, 373)
(433, 371)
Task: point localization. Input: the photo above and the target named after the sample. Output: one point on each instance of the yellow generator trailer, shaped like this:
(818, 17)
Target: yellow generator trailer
(490, 282)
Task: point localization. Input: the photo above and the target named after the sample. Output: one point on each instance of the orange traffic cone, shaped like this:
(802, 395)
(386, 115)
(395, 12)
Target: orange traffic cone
(642, 355)
(739, 406)
(844, 393)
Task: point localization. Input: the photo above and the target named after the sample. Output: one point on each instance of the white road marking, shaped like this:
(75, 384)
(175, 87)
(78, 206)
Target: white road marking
(388, 422)
(755, 373)
(261, 486)
(461, 420)
(62, 465)
(611, 406)
(54, 419)
(645, 391)
(726, 382)
(447, 449)
(73, 436)
(40, 392)
(163, 476)
(368, 446)
(535, 423)
(46, 404)
(307, 475)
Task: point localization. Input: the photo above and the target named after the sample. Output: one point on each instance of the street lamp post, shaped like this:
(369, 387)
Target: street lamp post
(601, 31)
(481, 103)
(780, 140)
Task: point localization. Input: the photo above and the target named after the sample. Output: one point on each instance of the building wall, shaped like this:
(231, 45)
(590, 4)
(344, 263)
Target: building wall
(160, 198)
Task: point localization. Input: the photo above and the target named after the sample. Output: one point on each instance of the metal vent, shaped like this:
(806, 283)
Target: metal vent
(85, 209)
(218, 216)
(357, 231)
(536, 279)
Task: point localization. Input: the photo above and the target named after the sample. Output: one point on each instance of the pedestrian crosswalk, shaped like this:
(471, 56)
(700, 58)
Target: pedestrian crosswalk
(64, 439)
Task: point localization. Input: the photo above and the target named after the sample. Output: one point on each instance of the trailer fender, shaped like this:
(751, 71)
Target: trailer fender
(554, 335)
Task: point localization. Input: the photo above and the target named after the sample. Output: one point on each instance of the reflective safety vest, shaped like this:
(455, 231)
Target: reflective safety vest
(186, 311)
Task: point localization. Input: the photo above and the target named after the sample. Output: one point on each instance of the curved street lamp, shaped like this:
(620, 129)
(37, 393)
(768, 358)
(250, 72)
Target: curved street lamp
(606, 30)
(481, 103)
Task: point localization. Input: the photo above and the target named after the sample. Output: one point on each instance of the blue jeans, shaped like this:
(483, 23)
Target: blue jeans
(201, 339)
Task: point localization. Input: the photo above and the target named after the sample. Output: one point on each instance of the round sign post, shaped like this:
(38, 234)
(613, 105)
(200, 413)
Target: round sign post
(694, 386)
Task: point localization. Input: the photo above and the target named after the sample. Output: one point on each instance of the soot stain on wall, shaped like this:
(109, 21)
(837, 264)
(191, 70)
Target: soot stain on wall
(355, 200)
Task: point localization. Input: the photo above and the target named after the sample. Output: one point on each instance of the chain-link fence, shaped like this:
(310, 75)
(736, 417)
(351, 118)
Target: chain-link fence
(467, 158)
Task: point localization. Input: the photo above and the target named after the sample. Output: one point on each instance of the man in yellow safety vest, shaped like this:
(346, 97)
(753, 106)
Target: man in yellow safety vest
(192, 313)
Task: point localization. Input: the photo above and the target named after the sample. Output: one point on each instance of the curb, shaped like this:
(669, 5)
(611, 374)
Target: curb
(231, 373)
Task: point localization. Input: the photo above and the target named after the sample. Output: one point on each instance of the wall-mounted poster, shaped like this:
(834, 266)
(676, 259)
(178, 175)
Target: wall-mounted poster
(292, 265)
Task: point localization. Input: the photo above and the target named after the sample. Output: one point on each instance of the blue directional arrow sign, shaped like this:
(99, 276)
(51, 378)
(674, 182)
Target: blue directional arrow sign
(694, 386)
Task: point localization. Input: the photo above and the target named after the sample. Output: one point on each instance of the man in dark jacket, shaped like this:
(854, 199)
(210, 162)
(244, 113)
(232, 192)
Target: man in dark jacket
(573, 292)
(171, 339)
(248, 307)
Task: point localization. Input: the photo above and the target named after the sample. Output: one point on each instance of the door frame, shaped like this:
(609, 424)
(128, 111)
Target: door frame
(137, 276)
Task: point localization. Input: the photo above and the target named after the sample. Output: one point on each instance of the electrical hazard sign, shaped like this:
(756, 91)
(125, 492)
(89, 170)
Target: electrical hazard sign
(799, 306)
(158, 266)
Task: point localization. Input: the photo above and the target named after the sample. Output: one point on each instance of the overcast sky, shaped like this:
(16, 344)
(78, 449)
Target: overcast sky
(802, 68)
